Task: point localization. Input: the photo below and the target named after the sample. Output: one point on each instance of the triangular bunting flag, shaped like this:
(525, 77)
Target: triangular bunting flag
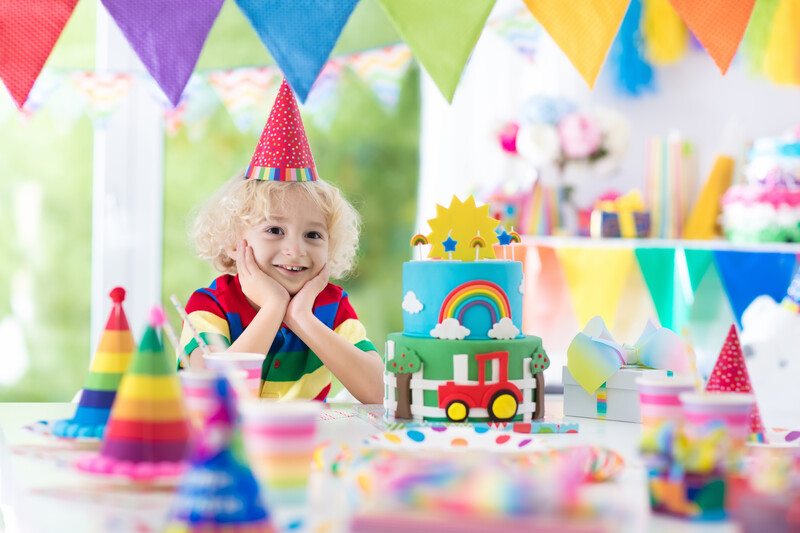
(28, 32)
(243, 92)
(730, 375)
(660, 274)
(441, 34)
(758, 33)
(665, 35)
(322, 101)
(110, 362)
(46, 85)
(782, 56)
(745, 275)
(193, 112)
(697, 263)
(167, 36)
(299, 34)
(103, 91)
(718, 24)
(583, 33)
(521, 32)
(633, 73)
(383, 71)
(596, 278)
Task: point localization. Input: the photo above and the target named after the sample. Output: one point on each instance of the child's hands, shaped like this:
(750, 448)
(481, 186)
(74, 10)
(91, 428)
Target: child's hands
(257, 285)
(301, 303)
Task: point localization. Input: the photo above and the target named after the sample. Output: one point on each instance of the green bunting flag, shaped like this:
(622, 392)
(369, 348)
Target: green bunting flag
(672, 277)
(660, 275)
(441, 34)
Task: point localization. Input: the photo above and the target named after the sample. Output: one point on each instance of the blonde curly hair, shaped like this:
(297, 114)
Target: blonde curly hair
(240, 204)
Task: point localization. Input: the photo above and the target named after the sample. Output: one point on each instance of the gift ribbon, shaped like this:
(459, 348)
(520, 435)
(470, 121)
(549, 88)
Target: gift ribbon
(624, 206)
(593, 356)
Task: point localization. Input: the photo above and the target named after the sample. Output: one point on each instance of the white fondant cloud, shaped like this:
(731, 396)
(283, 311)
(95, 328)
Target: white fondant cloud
(450, 328)
(522, 285)
(411, 303)
(505, 329)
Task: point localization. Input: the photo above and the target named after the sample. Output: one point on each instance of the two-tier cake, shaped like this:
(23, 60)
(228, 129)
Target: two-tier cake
(461, 355)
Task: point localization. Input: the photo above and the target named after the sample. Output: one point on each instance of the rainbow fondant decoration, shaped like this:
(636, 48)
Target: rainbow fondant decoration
(110, 362)
(476, 293)
(419, 240)
(219, 492)
(147, 435)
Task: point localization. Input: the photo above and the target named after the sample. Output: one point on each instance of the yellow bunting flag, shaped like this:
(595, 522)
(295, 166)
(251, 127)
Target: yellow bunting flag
(718, 24)
(441, 33)
(703, 220)
(782, 57)
(665, 35)
(596, 278)
(583, 30)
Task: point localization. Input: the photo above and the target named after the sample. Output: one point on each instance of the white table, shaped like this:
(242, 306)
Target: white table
(40, 492)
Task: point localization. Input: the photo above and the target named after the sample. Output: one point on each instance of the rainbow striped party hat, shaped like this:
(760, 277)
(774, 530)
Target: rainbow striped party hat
(147, 435)
(110, 362)
(282, 153)
(219, 492)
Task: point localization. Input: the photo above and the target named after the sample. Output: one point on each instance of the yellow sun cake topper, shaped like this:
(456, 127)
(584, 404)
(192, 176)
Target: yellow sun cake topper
(461, 222)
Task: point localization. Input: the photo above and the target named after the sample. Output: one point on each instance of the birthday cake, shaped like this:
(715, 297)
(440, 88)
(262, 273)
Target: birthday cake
(461, 356)
(766, 208)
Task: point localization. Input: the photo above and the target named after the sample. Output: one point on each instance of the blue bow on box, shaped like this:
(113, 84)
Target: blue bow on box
(593, 356)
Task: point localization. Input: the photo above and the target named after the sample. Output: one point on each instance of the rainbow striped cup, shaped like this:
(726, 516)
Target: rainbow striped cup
(199, 394)
(659, 398)
(228, 362)
(279, 439)
(705, 411)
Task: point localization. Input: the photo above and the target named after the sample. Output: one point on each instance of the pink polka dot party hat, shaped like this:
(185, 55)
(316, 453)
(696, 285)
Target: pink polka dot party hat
(282, 153)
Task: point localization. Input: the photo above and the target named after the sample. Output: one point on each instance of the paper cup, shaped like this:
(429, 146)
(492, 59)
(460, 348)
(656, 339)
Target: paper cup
(199, 394)
(705, 411)
(250, 363)
(279, 438)
(659, 398)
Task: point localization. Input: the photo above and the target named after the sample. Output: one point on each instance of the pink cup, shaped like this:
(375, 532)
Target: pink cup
(659, 398)
(279, 439)
(250, 363)
(705, 413)
(199, 395)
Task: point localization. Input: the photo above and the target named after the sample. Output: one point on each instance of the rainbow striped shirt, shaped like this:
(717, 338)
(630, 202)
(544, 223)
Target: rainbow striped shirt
(291, 370)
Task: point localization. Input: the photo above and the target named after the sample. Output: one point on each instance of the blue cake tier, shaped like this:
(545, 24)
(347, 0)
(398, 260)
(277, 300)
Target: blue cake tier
(462, 300)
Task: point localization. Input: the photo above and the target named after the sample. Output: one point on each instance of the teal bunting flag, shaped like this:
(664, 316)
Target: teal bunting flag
(299, 34)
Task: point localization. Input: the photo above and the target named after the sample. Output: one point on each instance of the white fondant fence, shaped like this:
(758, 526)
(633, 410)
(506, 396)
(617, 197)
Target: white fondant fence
(418, 384)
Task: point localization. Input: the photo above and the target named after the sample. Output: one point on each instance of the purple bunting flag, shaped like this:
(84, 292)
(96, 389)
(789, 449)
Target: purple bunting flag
(299, 34)
(167, 35)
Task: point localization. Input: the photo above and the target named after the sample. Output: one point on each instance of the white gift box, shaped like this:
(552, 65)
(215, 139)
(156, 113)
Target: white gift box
(621, 392)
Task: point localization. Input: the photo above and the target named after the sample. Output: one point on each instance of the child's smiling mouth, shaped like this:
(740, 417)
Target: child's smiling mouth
(291, 269)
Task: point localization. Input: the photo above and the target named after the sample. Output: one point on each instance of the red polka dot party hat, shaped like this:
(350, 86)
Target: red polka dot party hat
(730, 375)
(283, 153)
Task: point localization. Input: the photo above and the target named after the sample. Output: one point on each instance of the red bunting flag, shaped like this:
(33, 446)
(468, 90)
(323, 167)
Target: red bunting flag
(28, 31)
(718, 24)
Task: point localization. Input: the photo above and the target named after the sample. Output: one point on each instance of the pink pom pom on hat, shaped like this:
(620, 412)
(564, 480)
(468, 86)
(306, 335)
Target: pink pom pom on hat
(283, 153)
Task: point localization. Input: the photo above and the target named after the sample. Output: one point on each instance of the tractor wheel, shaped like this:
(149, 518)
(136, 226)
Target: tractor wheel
(457, 411)
(503, 406)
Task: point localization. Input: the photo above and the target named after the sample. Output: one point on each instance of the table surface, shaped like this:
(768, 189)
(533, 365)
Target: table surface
(40, 491)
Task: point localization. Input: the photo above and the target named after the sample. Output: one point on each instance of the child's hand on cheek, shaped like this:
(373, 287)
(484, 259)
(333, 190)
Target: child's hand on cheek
(301, 304)
(257, 285)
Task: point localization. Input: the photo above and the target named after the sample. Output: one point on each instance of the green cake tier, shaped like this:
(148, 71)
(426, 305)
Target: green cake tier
(439, 380)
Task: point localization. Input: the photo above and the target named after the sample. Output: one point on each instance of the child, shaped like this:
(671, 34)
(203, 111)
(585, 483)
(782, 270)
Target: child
(277, 242)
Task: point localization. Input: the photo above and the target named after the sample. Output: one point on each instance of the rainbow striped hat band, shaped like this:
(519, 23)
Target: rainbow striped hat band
(283, 153)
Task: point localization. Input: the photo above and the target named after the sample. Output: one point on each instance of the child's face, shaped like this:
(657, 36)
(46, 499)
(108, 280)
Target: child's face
(291, 245)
